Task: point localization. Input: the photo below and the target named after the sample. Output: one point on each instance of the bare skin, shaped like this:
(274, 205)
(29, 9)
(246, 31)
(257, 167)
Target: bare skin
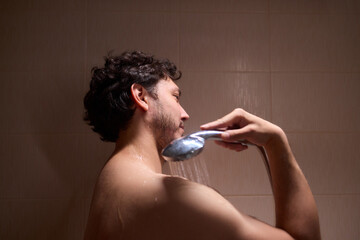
(134, 200)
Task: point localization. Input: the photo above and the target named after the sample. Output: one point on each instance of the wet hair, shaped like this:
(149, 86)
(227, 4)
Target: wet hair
(108, 104)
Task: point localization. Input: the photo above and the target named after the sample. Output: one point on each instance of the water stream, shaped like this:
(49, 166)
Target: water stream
(193, 169)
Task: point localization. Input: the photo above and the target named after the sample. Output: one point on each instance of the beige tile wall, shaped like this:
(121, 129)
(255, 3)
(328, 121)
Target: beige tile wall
(296, 63)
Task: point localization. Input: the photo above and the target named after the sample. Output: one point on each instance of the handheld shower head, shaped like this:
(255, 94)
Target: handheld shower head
(191, 145)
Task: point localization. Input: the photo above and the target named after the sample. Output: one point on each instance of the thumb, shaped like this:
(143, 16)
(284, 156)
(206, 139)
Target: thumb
(224, 122)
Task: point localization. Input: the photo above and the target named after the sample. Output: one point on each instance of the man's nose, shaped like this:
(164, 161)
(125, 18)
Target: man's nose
(184, 115)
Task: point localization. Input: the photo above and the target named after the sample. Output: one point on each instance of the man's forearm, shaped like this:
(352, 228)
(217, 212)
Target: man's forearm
(296, 211)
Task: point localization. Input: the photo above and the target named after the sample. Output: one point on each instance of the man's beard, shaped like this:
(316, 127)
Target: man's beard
(164, 128)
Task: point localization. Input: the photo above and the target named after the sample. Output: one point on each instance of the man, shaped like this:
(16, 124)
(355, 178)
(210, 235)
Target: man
(134, 102)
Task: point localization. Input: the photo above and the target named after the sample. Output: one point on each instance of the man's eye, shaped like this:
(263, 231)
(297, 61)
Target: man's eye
(177, 97)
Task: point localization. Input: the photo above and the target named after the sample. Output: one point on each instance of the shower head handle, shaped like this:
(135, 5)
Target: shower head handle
(216, 135)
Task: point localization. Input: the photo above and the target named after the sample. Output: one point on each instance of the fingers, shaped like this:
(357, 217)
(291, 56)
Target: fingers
(232, 146)
(236, 134)
(240, 125)
(235, 117)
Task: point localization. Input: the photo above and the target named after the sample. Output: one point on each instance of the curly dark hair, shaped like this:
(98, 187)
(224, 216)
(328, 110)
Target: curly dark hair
(108, 104)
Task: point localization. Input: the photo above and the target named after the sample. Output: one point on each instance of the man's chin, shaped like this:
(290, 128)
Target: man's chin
(181, 133)
(176, 136)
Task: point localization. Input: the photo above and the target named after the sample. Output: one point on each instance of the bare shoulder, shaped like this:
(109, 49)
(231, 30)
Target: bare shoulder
(164, 207)
(169, 207)
(208, 215)
(191, 195)
(200, 210)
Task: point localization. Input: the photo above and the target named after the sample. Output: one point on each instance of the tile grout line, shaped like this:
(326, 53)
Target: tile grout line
(273, 71)
(83, 180)
(270, 70)
(232, 12)
(85, 45)
(179, 30)
(224, 195)
(91, 133)
(216, 71)
(315, 195)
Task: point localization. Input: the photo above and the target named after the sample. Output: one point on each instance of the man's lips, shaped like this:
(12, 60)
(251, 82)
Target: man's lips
(183, 130)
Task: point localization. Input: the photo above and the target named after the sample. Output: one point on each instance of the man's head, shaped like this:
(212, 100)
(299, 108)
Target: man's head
(110, 103)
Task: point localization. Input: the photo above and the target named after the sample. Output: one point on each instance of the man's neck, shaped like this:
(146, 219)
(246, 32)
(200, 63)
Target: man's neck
(138, 145)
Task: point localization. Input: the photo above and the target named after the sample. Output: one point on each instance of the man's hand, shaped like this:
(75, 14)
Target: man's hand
(241, 125)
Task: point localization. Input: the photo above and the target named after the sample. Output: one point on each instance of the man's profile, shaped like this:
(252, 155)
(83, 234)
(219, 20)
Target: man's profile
(133, 101)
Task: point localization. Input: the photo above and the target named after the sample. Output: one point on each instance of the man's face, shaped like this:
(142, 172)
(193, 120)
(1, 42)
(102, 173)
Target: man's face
(168, 114)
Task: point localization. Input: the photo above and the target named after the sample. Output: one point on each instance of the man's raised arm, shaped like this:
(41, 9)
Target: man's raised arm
(295, 207)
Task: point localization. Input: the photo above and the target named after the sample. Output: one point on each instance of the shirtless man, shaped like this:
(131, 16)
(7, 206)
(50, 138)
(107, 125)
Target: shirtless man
(134, 102)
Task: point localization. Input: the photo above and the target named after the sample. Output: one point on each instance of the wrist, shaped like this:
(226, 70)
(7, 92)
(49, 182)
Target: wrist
(279, 152)
(278, 141)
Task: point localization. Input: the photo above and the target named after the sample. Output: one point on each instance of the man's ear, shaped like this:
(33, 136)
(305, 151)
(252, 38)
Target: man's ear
(140, 96)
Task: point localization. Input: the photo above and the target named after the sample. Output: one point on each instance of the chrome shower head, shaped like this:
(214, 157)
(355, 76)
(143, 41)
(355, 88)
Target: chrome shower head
(191, 145)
